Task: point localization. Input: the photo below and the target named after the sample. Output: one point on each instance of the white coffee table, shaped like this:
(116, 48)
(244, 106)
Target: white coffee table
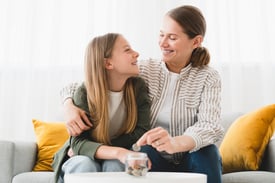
(122, 177)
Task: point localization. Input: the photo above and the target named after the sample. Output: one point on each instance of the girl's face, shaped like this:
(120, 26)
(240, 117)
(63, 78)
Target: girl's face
(123, 61)
(175, 45)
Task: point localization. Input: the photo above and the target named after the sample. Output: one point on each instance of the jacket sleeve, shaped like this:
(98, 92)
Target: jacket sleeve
(83, 144)
(143, 120)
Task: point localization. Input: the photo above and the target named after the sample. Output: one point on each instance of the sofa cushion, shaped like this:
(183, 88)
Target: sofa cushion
(249, 177)
(245, 141)
(34, 177)
(268, 163)
(50, 137)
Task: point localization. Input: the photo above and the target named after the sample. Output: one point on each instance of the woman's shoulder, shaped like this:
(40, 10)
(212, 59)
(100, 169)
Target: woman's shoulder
(149, 62)
(210, 74)
(151, 68)
(207, 70)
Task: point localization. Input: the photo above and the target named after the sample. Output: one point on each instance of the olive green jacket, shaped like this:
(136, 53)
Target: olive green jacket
(85, 145)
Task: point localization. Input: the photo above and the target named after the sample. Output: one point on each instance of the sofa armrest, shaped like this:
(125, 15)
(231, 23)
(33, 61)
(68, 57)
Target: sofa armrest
(268, 163)
(6, 161)
(16, 157)
(25, 155)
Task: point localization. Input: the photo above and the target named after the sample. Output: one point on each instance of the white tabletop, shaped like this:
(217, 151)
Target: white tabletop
(122, 177)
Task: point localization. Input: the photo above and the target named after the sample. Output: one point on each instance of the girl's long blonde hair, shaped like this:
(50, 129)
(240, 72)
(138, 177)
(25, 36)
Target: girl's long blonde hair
(96, 84)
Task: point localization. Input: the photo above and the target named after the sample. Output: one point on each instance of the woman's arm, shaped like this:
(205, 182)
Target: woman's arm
(68, 91)
(160, 139)
(76, 118)
(208, 129)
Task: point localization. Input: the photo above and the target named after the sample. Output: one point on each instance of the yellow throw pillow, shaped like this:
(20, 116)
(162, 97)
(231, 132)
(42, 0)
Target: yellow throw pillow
(50, 138)
(245, 142)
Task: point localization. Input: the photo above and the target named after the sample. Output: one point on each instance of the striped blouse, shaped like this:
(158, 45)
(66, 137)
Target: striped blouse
(196, 105)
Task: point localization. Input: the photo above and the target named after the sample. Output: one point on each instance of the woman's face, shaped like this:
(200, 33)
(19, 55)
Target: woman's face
(123, 61)
(175, 45)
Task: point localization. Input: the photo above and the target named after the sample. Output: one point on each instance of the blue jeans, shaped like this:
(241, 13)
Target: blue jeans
(80, 164)
(207, 160)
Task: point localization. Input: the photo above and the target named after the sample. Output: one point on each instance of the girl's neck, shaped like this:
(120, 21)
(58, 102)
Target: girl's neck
(116, 84)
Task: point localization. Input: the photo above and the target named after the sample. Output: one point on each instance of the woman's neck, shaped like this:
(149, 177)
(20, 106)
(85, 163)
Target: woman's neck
(177, 66)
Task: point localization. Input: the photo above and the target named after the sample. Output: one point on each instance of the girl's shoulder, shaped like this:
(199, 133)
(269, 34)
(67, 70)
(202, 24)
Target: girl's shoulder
(138, 81)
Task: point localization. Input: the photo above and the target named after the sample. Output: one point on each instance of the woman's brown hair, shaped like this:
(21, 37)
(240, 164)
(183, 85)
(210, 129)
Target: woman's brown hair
(193, 23)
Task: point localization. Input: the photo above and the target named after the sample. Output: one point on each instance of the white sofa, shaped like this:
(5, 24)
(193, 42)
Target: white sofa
(18, 158)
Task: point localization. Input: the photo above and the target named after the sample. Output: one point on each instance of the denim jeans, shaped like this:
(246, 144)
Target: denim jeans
(80, 164)
(207, 160)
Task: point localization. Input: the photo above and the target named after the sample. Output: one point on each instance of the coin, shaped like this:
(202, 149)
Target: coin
(135, 147)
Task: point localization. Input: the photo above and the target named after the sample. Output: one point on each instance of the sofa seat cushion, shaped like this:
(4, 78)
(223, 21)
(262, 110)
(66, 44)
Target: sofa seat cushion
(249, 177)
(34, 177)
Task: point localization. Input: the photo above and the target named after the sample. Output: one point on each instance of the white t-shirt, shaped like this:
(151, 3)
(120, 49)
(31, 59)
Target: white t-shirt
(164, 116)
(117, 112)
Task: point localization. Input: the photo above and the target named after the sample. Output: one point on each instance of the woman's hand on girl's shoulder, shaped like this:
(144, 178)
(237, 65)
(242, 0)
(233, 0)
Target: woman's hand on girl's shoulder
(76, 119)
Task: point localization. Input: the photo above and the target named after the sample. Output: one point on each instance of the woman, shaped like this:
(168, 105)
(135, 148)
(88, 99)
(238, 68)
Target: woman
(116, 102)
(185, 94)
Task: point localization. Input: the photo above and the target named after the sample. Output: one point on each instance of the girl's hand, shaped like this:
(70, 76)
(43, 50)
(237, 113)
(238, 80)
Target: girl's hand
(70, 152)
(123, 153)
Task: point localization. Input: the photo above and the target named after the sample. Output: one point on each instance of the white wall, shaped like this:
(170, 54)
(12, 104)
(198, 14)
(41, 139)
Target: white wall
(42, 43)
